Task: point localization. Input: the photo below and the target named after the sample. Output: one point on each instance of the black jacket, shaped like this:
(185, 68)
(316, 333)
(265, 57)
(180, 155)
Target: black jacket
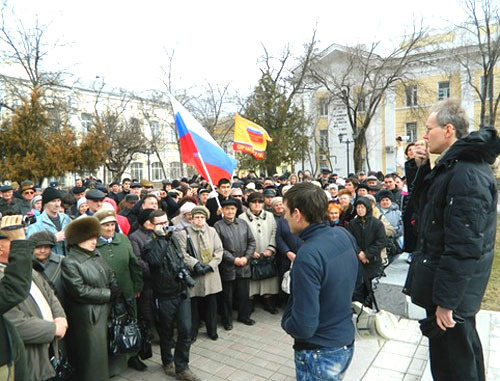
(370, 236)
(457, 215)
(164, 256)
(213, 206)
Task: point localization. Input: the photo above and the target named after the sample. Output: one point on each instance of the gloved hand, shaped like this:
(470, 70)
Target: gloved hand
(207, 268)
(115, 292)
(198, 269)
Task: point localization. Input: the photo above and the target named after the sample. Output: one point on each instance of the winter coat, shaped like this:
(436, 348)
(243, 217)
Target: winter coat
(209, 283)
(457, 216)
(122, 260)
(138, 239)
(87, 279)
(263, 228)
(166, 261)
(14, 288)
(52, 269)
(237, 241)
(43, 223)
(393, 215)
(370, 236)
(37, 333)
(347, 216)
(285, 241)
(14, 206)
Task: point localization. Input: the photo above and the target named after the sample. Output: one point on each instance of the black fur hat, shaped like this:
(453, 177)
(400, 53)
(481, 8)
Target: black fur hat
(82, 229)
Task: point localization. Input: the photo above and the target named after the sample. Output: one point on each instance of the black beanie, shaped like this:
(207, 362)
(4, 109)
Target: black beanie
(144, 215)
(50, 194)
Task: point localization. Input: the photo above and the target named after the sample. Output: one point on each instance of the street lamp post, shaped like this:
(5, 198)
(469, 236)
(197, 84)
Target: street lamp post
(347, 142)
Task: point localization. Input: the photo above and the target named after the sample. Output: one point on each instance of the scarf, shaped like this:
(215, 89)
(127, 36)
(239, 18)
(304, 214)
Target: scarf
(204, 248)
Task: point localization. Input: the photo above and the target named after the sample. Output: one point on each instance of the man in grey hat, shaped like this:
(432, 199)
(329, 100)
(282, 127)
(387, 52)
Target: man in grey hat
(51, 220)
(94, 200)
(8, 203)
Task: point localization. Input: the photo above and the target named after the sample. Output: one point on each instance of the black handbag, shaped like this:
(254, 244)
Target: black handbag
(263, 267)
(124, 333)
(58, 359)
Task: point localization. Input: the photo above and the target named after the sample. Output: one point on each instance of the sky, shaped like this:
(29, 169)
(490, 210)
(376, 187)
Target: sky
(125, 42)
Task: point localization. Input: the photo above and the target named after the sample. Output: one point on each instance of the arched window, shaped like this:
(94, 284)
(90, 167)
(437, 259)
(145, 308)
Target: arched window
(175, 170)
(136, 171)
(156, 171)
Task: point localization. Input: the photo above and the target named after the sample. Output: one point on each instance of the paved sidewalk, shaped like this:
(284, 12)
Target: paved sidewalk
(264, 352)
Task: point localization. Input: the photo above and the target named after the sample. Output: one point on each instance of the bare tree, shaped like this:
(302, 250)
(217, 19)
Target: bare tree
(360, 80)
(480, 49)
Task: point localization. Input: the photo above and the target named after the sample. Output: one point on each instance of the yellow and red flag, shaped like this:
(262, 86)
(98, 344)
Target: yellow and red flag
(250, 137)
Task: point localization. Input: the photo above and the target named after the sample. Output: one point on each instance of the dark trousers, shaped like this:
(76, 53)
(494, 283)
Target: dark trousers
(206, 308)
(457, 355)
(168, 310)
(240, 288)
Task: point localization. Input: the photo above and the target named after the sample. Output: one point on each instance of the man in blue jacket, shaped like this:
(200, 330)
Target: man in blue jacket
(318, 314)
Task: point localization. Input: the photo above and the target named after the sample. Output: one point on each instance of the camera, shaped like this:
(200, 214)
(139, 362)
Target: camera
(186, 277)
(29, 219)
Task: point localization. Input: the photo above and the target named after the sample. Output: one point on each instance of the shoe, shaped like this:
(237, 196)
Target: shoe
(193, 339)
(137, 364)
(187, 375)
(169, 369)
(269, 306)
(214, 336)
(228, 326)
(247, 321)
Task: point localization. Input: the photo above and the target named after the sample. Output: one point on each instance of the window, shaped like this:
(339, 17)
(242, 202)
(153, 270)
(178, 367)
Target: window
(443, 90)
(136, 171)
(155, 129)
(175, 170)
(323, 107)
(157, 172)
(86, 119)
(323, 139)
(489, 90)
(171, 137)
(411, 95)
(411, 131)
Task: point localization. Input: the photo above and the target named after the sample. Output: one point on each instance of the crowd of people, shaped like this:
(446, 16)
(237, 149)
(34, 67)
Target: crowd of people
(183, 253)
(208, 235)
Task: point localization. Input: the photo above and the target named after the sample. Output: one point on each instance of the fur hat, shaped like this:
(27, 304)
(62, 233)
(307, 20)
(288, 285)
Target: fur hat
(384, 193)
(82, 229)
(144, 216)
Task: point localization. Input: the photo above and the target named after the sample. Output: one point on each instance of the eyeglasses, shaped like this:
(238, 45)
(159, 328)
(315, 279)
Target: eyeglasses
(28, 192)
(237, 195)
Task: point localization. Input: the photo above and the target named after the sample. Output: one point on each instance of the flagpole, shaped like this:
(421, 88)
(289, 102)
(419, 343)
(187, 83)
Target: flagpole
(209, 178)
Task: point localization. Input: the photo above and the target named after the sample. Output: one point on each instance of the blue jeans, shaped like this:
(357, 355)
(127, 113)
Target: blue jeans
(323, 364)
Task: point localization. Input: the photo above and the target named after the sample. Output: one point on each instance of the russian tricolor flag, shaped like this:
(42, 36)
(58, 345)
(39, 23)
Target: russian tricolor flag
(199, 149)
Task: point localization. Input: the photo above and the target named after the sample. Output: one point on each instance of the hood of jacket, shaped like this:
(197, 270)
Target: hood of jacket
(478, 146)
(366, 202)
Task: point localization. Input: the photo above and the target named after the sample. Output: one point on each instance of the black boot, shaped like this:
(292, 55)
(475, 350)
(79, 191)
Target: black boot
(269, 305)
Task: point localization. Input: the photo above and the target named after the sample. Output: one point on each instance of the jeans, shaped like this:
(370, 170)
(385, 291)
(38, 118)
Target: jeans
(323, 364)
(168, 310)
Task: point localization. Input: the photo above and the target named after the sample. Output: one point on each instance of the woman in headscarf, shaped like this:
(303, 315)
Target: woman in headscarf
(203, 250)
(263, 227)
(90, 285)
(370, 236)
(117, 251)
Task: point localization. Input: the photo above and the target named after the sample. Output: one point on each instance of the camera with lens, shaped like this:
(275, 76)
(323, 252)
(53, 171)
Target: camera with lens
(186, 277)
(29, 220)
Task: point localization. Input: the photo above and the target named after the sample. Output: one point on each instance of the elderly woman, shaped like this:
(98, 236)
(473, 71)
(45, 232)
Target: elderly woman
(202, 255)
(263, 227)
(117, 251)
(277, 208)
(47, 262)
(183, 220)
(90, 285)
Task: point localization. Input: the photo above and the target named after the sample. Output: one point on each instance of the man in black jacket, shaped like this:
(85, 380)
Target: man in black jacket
(223, 190)
(169, 281)
(456, 203)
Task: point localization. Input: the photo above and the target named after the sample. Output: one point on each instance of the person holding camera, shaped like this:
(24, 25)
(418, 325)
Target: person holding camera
(170, 280)
(15, 280)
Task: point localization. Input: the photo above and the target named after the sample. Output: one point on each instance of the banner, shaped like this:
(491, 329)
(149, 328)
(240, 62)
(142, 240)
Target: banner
(250, 137)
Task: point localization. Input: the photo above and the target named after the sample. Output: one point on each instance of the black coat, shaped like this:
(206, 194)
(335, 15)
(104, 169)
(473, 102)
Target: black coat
(370, 236)
(213, 206)
(457, 215)
(285, 241)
